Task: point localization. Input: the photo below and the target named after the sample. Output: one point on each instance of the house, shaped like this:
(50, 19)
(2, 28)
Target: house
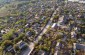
(10, 49)
(15, 35)
(74, 0)
(70, 16)
(58, 45)
(82, 1)
(78, 22)
(36, 25)
(21, 30)
(7, 30)
(37, 31)
(66, 19)
(60, 21)
(80, 40)
(79, 16)
(0, 37)
(57, 53)
(76, 29)
(41, 52)
(64, 27)
(43, 18)
(27, 25)
(73, 34)
(21, 44)
(36, 16)
(11, 17)
(79, 1)
(64, 37)
(29, 33)
(42, 11)
(77, 46)
(54, 25)
(2, 31)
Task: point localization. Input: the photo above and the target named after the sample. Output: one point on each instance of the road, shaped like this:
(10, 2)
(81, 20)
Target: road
(31, 46)
(46, 28)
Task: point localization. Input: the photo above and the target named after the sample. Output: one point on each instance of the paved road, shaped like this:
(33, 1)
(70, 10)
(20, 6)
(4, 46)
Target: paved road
(46, 28)
(31, 46)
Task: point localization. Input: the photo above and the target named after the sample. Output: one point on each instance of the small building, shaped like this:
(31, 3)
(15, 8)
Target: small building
(58, 45)
(37, 31)
(57, 53)
(0, 37)
(36, 25)
(61, 19)
(82, 1)
(21, 44)
(15, 35)
(64, 27)
(2, 31)
(73, 34)
(71, 17)
(79, 46)
(43, 18)
(29, 33)
(76, 29)
(21, 30)
(36, 16)
(64, 37)
(10, 49)
(27, 25)
(54, 25)
(73, 0)
(41, 52)
(80, 40)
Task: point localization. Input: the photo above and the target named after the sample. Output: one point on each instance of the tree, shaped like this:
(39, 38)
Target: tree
(19, 37)
(8, 53)
(6, 43)
(1, 51)
(16, 47)
(8, 35)
(56, 17)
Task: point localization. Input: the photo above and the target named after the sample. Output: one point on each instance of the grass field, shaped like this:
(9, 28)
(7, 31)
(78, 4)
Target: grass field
(4, 11)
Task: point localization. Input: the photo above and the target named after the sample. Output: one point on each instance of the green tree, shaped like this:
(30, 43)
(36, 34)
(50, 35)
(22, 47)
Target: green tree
(8, 53)
(19, 38)
(1, 51)
(6, 43)
(8, 35)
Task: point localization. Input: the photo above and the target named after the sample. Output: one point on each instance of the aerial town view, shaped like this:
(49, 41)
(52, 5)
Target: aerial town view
(42, 27)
